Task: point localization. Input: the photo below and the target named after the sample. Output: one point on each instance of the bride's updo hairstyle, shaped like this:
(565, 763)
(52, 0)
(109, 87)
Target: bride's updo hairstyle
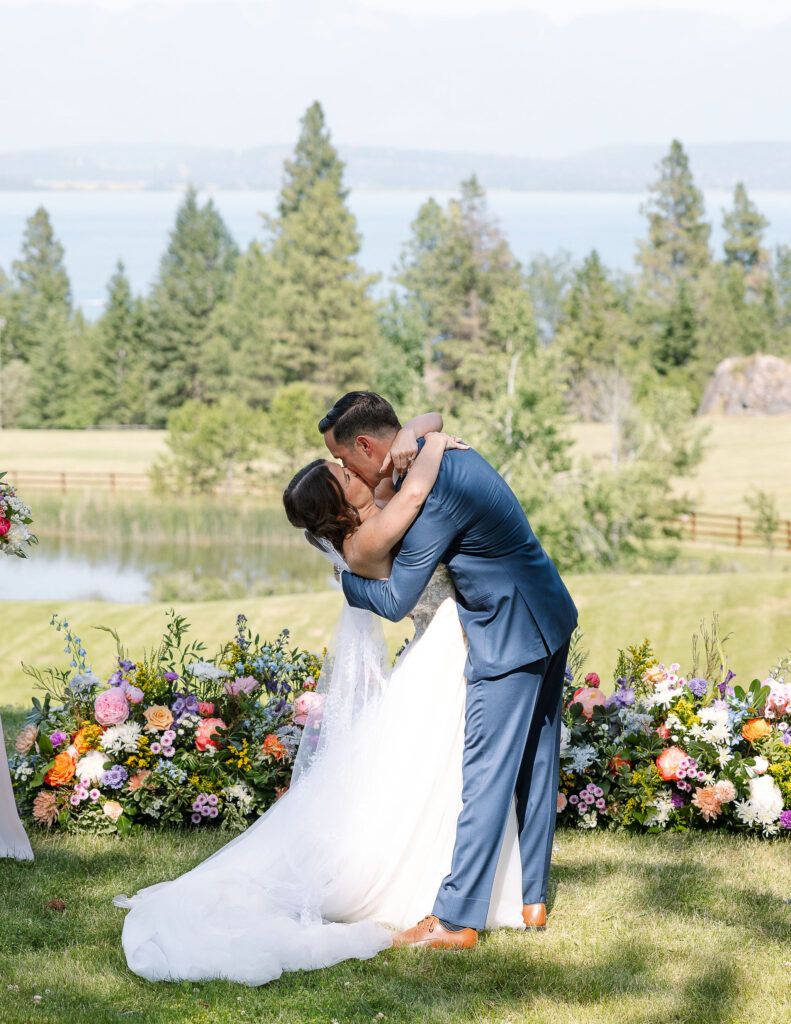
(314, 501)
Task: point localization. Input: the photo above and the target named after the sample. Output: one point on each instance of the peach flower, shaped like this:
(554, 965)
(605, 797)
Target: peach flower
(62, 770)
(724, 790)
(562, 801)
(281, 791)
(589, 697)
(668, 762)
(205, 732)
(45, 808)
(705, 799)
(756, 729)
(111, 707)
(26, 739)
(113, 810)
(138, 779)
(158, 717)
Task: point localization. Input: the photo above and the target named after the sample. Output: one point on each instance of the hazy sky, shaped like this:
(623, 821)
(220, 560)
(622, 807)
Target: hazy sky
(748, 12)
(539, 81)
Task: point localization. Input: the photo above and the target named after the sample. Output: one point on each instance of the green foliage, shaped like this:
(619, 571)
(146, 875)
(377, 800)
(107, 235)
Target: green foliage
(744, 226)
(194, 276)
(293, 416)
(323, 324)
(767, 514)
(208, 445)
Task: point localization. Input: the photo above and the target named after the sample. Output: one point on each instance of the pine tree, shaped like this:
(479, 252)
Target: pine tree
(677, 345)
(744, 226)
(452, 267)
(195, 275)
(118, 380)
(678, 236)
(323, 327)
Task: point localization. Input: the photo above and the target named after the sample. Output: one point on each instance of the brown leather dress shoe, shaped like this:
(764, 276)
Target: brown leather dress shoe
(535, 916)
(429, 932)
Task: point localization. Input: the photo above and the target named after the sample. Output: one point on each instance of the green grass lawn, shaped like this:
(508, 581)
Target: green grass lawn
(743, 454)
(615, 610)
(642, 930)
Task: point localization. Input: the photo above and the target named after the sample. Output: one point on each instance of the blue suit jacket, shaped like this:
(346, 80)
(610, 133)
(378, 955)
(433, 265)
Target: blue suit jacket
(512, 602)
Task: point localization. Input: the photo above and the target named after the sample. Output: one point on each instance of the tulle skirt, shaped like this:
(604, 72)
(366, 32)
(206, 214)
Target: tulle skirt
(14, 842)
(359, 845)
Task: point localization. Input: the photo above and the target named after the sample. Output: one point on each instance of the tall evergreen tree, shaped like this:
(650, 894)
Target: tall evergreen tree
(452, 268)
(195, 275)
(744, 226)
(118, 377)
(677, 345)
(323, 327)
(678, 236)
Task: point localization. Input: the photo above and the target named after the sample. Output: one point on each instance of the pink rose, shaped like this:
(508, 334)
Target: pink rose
(5, 526)
(591, 679)
(206, 708)
(133, 694)
(305, 704)
(562, 801)
(111, 707)
(242, 684)
(778, 703)
(205, 731)
(588, 697)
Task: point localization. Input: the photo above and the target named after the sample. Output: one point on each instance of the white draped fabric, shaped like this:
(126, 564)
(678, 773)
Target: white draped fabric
(360, 842)
(13, 838)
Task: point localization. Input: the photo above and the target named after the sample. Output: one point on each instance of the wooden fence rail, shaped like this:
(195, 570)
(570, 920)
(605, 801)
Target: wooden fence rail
(114, 481)
(739, 530)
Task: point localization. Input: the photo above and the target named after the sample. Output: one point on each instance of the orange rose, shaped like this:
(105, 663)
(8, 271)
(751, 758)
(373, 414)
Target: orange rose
(669, 761)
(62, 770)
(618, 762)
(273, 746)
(158, 717)
(756, 729)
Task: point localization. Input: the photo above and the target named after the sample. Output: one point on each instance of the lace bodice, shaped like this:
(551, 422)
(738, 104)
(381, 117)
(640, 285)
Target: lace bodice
(438, 588)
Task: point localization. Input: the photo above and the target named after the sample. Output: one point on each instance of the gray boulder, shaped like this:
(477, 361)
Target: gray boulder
(749, 386)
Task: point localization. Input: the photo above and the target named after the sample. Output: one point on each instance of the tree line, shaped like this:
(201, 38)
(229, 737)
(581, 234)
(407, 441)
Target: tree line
(232, 348)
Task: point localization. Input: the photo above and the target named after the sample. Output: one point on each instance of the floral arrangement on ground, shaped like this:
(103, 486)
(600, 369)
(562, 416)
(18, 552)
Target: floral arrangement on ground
(170, 739)
(179, 739)
(667, 750)
(15, 520)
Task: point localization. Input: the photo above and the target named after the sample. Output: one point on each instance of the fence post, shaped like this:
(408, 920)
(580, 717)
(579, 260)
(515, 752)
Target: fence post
(112, 482)
(788, 534)
(738, 531)
(694, 524)
(63, 481)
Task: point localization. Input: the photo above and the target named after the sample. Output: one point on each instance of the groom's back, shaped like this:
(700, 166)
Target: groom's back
(512, 601)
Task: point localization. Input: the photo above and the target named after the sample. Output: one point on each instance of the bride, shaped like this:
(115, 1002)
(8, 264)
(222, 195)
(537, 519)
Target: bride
(364, 836)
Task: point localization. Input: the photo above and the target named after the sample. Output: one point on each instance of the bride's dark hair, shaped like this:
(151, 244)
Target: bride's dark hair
(314, 500)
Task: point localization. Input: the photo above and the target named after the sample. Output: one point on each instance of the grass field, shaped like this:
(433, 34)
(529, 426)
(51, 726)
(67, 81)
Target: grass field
(614, 611)
(743, 454)
(642, 930)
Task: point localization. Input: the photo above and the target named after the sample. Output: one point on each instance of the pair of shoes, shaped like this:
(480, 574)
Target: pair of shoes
(429, 932)
(535, 916)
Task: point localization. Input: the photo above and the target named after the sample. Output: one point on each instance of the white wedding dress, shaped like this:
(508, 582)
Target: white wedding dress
(361, 841)
(14, 842)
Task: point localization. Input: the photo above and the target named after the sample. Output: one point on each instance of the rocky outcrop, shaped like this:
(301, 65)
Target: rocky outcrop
(749, 386)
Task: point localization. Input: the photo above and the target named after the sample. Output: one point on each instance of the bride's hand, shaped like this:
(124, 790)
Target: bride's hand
(453, 442)
(402, 451)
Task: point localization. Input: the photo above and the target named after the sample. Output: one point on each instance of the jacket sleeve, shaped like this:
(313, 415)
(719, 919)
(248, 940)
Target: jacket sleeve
(422, 549)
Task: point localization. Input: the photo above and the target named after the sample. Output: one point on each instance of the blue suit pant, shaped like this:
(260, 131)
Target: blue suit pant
(512, 748)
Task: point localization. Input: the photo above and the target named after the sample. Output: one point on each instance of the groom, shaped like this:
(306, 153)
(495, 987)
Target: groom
(518, 618)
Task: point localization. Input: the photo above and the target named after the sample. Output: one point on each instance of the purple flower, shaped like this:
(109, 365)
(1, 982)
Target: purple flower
(213, 812)
(698, 686)
(785, 819)
(677, 800)
(724, 688)
(622, 696)
(720, 705)
(171, 677)
(600, 804)
(183, 704)
(569, 675)
(57, 737)
(574, 799)
(115, 777)
(786, 737)
(196, 819)
(212, 799)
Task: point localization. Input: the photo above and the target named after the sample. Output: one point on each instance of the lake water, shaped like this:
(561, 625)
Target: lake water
(98, 228)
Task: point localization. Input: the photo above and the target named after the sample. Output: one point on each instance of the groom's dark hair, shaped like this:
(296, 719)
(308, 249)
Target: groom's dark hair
(359, 412)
